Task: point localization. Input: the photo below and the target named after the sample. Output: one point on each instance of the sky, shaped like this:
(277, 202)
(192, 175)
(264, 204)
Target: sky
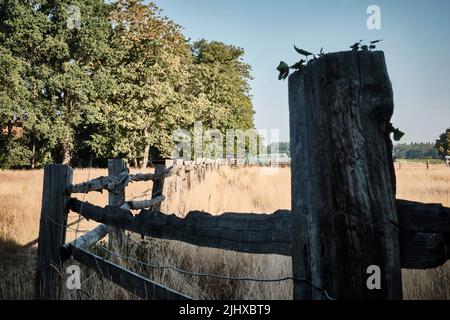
(416, 43)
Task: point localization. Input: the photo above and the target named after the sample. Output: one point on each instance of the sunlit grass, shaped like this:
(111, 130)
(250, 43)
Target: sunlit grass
(228, 190)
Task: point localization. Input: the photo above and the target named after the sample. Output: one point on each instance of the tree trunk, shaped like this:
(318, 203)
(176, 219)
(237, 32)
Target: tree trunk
(69, 126)
(10, 129)
(146, 151)
(343, 183)
(33, 149)
(146, 157)
(66, 153)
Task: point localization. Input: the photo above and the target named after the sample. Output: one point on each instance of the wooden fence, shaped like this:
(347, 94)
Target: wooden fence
(424, 240)
(169, 177)
(345, 216)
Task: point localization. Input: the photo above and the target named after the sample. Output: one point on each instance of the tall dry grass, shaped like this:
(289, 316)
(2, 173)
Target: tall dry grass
(229, 190)
(415, 182)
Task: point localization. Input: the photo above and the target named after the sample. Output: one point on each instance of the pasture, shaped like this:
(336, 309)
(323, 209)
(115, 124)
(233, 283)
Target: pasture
(228, 190)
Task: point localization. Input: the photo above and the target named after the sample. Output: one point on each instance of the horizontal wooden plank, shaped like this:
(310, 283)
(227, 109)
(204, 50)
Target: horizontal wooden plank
(109, 183)
(112, 183)
(145, 204)
(248, 233)
(85, 241)
(140, 177)
(252, 233)
(421, 217)
(424, 250)
(425, 234)
(134, 283)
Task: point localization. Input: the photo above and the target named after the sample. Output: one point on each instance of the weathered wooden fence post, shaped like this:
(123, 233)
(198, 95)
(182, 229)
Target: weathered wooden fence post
(116, 199)
(52, 232)
(160, 185)
(343, 182)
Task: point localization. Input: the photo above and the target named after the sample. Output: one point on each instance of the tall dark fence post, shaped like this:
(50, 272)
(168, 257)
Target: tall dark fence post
(160, 186)
(343, 182)
(52, 232)
(116, 199)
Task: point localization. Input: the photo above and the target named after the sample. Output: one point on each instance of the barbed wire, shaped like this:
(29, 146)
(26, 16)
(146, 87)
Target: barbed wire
(215, 276)
(86, 294)
(89, 278)
(66, 226)
(78, 291)
(71, 292)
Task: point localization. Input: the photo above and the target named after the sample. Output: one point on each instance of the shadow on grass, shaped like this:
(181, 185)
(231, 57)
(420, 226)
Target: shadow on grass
(17, 270)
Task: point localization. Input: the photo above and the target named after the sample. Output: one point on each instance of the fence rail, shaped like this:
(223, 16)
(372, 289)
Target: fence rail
(248, 233)
(112, 183)
(272, 234)
(134, 283)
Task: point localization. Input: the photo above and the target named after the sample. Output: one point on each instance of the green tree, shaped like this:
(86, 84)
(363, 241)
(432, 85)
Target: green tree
(220, 82)
(222, 77)
(21, 35)
(78, 68)
(63, 68)
(443, 144)
(151, 69)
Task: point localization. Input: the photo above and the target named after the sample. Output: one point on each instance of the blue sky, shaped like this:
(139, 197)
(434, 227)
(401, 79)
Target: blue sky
(416, 42)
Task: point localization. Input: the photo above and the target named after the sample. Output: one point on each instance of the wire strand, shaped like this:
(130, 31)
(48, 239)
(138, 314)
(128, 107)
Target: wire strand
(220, 277)
(86, 294)
(66, 227)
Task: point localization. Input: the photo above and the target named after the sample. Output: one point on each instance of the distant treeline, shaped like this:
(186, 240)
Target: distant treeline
(282, 147)
(415, 151)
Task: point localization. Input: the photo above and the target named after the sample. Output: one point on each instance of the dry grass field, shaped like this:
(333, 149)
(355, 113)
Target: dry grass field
(229, 190)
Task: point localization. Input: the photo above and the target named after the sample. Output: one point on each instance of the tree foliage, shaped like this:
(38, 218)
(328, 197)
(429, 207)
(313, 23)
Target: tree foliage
(443, 144)
(117, 86)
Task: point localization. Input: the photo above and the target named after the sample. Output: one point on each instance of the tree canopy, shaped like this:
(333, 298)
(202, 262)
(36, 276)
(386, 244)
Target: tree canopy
(118, 84)
(443, 144)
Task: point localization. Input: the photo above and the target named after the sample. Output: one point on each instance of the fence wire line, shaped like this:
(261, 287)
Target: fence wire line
(78, 291)
(66, 226)
(89, 278)
(220, 277)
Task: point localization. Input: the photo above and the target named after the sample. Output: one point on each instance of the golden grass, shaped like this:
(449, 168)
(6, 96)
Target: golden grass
(229, 190)
(415, 182)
